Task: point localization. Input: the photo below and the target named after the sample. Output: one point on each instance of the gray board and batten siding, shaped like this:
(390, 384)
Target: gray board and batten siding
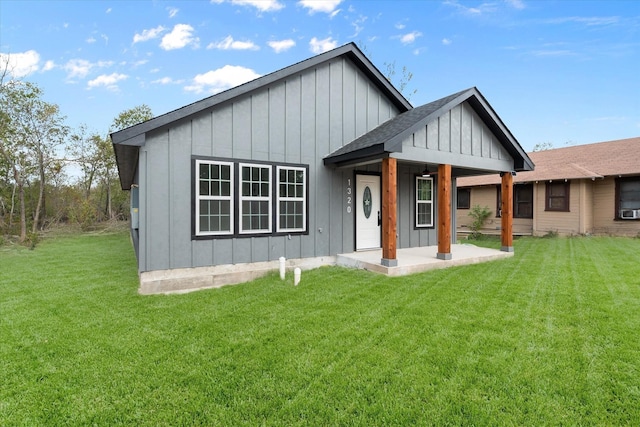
(336, 116)
(298, 120)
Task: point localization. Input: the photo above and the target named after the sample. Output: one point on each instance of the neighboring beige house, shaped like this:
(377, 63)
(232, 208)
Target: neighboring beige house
(583, 189)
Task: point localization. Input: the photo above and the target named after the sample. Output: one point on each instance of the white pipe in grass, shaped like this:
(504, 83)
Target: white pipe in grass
(282, 268)
(296, 276)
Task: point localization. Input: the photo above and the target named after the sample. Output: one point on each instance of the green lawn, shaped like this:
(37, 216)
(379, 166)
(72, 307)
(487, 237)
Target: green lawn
(548, 337)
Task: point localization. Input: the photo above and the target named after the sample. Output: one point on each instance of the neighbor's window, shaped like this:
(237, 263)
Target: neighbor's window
(255, 198)
(464, 198)
(214, 204)
(557, 196)
(291, 204)
(627, 197)
(522, 201)
(424, 202)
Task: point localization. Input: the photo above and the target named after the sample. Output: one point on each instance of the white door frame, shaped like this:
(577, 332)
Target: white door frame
(368, 201)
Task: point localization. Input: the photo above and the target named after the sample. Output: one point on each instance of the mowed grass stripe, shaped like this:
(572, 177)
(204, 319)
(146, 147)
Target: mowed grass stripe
(546, 337)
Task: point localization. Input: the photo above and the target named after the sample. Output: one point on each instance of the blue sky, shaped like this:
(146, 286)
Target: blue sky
(560, 72)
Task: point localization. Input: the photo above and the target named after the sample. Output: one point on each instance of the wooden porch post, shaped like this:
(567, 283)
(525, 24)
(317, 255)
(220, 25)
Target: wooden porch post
(444, 212)
(506, 233)
(389, 209)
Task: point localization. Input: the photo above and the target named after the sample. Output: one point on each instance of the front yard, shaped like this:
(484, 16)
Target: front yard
(548, 337)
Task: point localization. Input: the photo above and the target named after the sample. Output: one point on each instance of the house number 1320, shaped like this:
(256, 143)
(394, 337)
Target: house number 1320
(349, 195)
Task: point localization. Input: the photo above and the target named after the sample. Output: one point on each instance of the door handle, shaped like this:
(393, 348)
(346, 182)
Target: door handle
(379, 219)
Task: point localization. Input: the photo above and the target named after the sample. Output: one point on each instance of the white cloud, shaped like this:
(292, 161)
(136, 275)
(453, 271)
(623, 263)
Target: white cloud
(20, 64)
(482, 9)
(81, 67)
(446, 42)
(105, 38)
(410, 37)
(179, 37)
(230, 44)
(281, 45)
(221, 79)
(149, 34)
(400, 26)
(516, 4)
(48, 66)
(108, 81)
(108, 10)
(588, 21)
(358, 25)
(326, 6)
(173, 11)
(552, 53)
(77, 68)
(91, 40)
(261, 5)
(167, 81)
(320, 46)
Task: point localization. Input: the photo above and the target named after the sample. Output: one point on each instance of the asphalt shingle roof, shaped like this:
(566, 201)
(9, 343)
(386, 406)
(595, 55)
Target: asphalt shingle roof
(597, 160)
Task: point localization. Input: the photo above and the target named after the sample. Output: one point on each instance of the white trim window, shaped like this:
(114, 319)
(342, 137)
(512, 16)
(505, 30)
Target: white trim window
(424, 202)
(291, 215)
(255, 198)
(214, 198)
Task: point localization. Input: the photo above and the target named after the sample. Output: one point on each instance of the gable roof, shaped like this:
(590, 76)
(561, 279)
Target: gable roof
(126, 142)
(588, 161)
(388, 137)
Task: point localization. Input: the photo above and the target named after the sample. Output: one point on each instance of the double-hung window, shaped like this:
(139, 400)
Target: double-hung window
(522, 201)
(255, 198)
(291, 205)
(214, 198)
(557, 196)
(628, 198)
(424, 202)
(240, 198)
(464, 198)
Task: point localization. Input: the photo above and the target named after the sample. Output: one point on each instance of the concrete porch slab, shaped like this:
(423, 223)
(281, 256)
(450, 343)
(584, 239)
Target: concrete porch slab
(415, 260)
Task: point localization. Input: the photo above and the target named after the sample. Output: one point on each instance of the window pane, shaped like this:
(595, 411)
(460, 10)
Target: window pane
(630, 194)
(215, 171)
(225, 172)
(246, 173)
(424, 214)
(204, 223)
(556, 203)
(246, 189)
(226, 188)
(225, 223)
(264, 190)
(204, 171)
(204, 188)
(204, 207)
(265, 174)
(424, 189)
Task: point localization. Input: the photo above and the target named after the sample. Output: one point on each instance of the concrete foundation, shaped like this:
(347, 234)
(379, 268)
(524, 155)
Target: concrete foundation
(181, 280)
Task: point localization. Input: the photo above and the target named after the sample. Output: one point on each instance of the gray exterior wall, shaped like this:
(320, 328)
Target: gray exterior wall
(299, 120)
(459, 137)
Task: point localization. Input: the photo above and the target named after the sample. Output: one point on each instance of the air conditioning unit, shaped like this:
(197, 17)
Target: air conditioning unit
(629, 213)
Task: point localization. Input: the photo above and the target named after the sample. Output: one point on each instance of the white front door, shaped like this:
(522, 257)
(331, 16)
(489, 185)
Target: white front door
(367, 209)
